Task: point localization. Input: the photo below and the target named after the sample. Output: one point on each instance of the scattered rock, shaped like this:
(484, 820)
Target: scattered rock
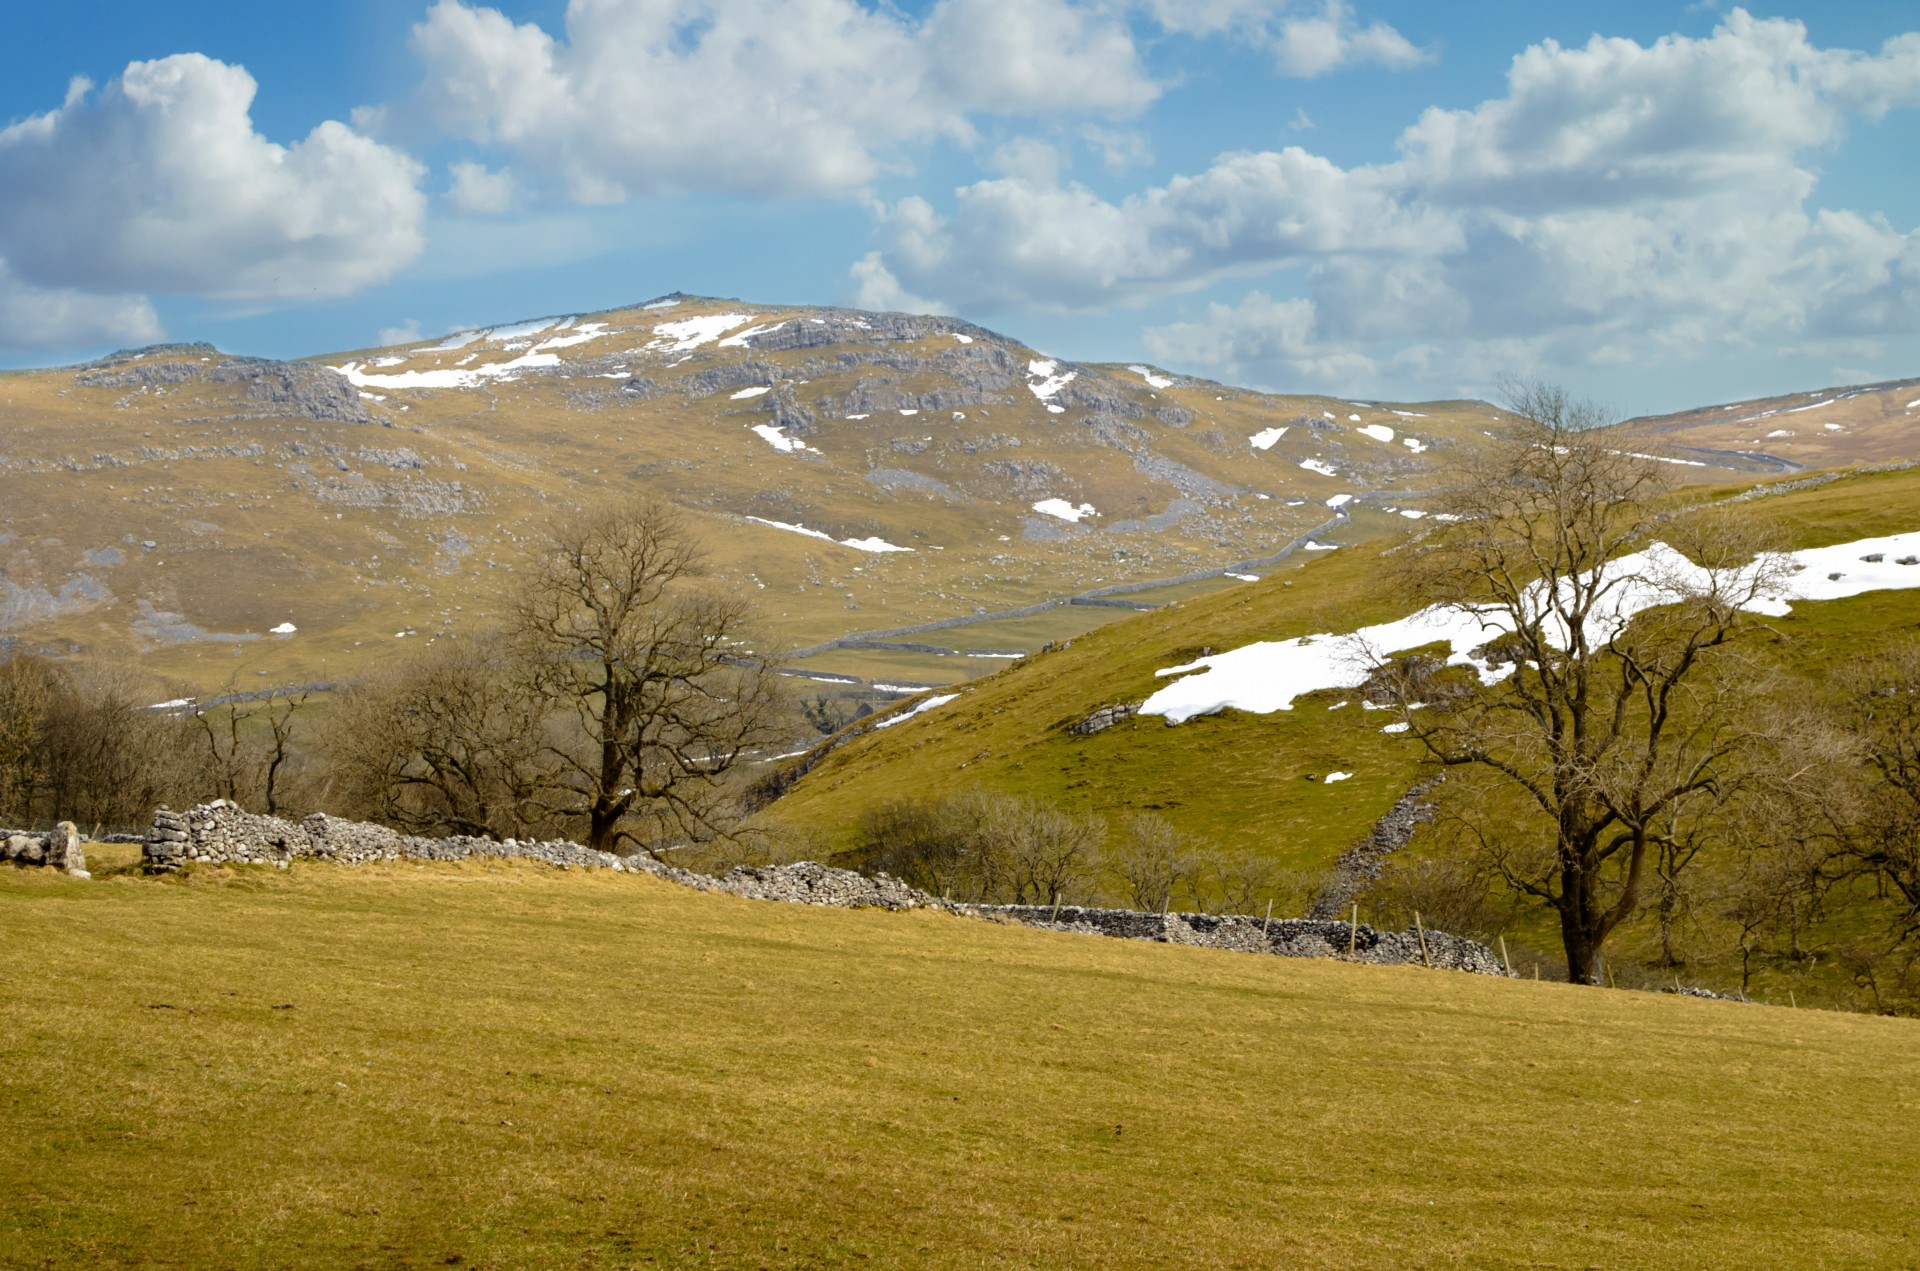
(1104, 718)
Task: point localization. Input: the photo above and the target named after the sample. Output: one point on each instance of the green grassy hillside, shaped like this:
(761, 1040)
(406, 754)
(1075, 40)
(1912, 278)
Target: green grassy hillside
(1249, 782)
(506, 1066)
(1255, 780)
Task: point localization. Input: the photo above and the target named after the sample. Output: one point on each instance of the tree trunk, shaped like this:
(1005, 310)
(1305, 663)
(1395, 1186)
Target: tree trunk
(603, 821)
(1582, 947)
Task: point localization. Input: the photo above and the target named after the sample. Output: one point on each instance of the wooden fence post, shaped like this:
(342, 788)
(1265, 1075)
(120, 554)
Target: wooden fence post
(1422, 933)
(1353, 928)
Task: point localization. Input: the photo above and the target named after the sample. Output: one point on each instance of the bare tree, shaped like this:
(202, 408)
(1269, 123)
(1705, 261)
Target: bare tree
(451, 742)
(1152, 860)
(249, 742)
(665, 689)
(111, 758)
(29, 688)
(1041, 855)
(1616, 700)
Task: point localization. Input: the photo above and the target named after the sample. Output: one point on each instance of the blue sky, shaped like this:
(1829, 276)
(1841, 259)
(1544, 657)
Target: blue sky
(1659, 204)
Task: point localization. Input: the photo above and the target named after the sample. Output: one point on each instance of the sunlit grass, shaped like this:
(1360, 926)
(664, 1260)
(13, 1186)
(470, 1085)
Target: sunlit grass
(509, 1066)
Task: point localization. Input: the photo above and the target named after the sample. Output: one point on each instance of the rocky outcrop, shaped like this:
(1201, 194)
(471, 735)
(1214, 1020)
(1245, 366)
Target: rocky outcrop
(291, 388)
(56, 849)
(1104, 718)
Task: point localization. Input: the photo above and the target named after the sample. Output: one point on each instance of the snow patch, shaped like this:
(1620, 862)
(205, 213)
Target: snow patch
(745, 393)
(1064, 510)
(579, 335)
(1155, 381)
(1379, 432)
(1684, 463)
(740, 341)
(1316, 465)
(1336, 776)
(285, 628)
(519, 329)
(1414, 444)
(779, 440)
(964, 339)
(447, 378)
(857, 544)
(1047, 383)
(1264, 439)
(1269, 675)
(691, 333)
(920, 708)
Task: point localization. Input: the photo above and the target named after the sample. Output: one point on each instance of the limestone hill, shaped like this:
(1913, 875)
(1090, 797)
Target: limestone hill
(213, 515)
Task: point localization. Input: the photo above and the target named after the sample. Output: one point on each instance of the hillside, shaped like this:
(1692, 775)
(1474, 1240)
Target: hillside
(1829, 428)
(506, 1065)
(215, 517)
(1296, 785)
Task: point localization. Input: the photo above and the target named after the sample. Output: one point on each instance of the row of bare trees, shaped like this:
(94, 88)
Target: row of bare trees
(84, 743)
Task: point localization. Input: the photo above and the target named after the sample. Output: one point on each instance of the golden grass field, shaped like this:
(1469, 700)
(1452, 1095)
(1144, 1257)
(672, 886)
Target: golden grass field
(503, 1065)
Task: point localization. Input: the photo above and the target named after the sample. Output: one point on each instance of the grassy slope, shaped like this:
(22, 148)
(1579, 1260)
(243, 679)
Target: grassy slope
(505, 1066)
(1250, 780)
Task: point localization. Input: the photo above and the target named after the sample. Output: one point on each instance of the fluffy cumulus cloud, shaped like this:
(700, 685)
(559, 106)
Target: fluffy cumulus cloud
(1621, 202)
(159, 183)
(63, 318)
(762, 97)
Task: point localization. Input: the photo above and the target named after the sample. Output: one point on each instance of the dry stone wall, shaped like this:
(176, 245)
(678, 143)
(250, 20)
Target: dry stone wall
(222, 833)
(58, 848)
(1285, 937)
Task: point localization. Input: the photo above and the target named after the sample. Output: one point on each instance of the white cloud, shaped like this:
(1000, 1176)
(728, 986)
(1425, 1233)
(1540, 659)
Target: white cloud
(160, 183)
(407, 332)
(1621, 203)
(479, 192)
(61, 318)
(1305, 41)
(1260, 331)
(765, 97)
(1331, 40)
(1028, 241)
(876, 288)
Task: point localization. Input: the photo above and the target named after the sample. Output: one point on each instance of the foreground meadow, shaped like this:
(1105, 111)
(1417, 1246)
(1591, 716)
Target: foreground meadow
(504, 1065)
